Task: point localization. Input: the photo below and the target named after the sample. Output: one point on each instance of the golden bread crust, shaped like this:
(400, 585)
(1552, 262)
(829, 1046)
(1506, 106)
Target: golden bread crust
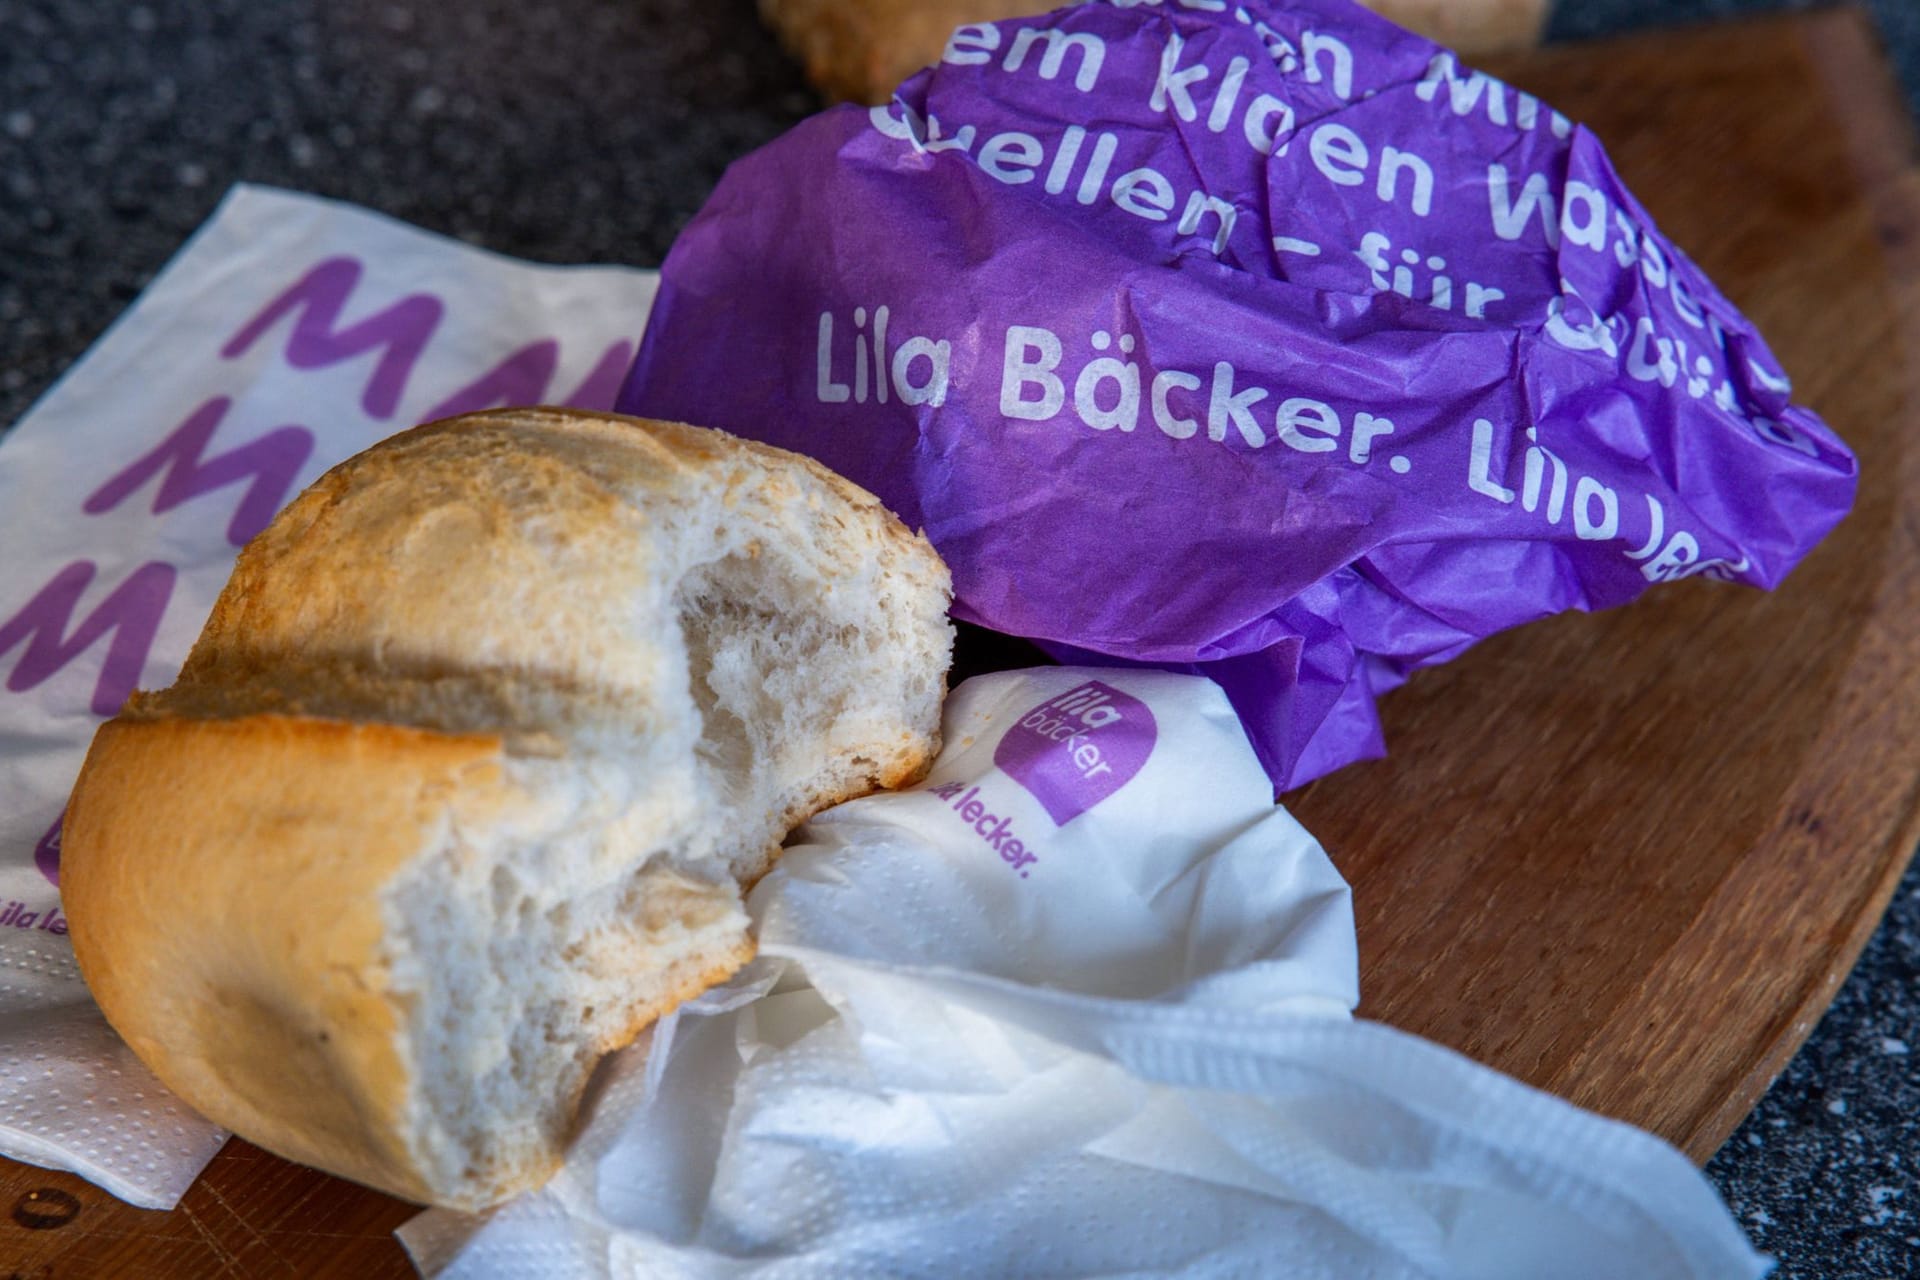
(394, 686)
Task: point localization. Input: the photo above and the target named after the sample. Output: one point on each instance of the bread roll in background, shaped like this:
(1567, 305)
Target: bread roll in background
(860, 50)
(462, 783)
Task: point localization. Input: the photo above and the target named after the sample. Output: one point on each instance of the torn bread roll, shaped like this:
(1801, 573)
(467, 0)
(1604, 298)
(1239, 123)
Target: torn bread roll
(462, 784)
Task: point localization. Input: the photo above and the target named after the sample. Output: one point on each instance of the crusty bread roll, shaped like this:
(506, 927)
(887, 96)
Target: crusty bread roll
(860, 50)
(460, 786)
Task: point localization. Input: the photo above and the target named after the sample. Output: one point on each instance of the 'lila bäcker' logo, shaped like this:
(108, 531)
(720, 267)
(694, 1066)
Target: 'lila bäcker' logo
(1077, 749)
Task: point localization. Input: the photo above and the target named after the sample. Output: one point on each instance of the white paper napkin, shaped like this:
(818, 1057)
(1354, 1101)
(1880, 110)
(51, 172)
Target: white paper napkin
(1122, 1048)
(289, 334)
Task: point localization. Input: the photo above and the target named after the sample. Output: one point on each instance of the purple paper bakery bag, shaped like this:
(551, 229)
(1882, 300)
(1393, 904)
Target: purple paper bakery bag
(1264, 341)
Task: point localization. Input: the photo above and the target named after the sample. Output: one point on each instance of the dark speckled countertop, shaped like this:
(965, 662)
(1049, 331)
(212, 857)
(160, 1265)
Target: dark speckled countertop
(577, 131)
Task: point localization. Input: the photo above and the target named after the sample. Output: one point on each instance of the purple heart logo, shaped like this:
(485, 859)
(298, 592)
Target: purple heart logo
(1075, 750)
(46, 854)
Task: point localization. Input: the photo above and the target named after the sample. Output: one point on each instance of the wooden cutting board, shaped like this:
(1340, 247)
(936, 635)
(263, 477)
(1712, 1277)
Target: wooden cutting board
(1626, 858)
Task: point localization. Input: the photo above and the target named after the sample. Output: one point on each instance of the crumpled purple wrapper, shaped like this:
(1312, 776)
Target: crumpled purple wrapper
(1263, 341)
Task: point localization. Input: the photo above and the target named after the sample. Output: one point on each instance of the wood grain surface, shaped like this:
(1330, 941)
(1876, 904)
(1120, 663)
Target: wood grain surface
(1626, 858)
(1630, 858)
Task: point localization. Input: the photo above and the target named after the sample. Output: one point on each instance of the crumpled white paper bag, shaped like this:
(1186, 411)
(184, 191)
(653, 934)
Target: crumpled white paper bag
(1122, 1047)
(290, 333)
